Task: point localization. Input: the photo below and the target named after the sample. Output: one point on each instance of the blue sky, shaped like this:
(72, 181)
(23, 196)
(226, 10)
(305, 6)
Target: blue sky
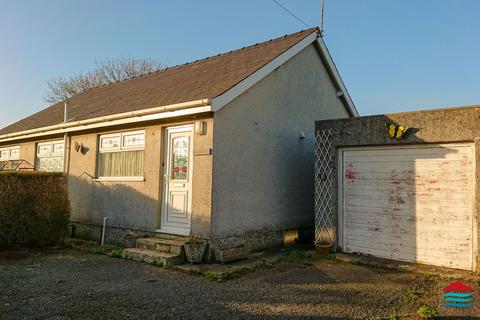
(393, 55)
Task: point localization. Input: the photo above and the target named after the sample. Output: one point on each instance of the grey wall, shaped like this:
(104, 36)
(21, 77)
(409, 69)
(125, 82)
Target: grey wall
(262, 171)
(427, 126)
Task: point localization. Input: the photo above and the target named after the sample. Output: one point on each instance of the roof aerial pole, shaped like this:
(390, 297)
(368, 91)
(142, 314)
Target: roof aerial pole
(66, 147)
(322, 29)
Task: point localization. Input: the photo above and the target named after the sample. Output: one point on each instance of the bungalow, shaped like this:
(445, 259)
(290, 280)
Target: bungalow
(219, 148)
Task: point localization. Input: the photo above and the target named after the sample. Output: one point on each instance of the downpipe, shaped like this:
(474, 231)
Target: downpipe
(103, 230)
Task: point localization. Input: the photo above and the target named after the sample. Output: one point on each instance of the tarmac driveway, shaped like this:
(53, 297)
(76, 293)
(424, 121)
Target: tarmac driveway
(68, 284)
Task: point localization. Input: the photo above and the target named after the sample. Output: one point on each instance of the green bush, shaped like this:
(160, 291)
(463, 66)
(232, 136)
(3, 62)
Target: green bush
(34, 208)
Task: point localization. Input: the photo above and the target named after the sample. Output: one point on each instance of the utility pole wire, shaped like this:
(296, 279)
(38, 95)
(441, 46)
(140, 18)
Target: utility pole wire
(291, 13)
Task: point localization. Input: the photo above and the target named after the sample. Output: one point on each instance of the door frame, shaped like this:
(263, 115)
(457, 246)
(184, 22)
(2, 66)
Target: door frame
(165, 158)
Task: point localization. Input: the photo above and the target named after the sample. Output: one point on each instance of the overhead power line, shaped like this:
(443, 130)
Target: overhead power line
(291, 13)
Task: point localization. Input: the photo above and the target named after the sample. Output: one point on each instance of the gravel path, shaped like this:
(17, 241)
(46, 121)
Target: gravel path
(74, 285)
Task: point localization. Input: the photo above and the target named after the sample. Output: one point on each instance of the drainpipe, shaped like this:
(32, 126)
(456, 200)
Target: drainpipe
(103, 230)
(66, 145)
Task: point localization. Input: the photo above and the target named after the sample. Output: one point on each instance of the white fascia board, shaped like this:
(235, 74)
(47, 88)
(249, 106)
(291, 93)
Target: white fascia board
(108, 123)
(223, 99)
(332, 68)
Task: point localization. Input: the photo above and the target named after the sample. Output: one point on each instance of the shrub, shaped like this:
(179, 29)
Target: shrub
(116, 253)
(34, 208)
(215, 276)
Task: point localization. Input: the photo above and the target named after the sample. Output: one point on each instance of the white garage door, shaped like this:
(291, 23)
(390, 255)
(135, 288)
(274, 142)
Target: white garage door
(409, 203)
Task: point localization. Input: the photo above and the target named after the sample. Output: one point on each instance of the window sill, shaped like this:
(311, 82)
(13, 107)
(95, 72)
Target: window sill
(119, 179)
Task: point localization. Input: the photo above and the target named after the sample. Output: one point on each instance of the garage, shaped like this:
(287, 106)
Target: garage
(409, 203)
(400, 186)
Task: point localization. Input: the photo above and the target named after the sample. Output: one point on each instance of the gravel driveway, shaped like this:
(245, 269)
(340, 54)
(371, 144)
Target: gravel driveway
(68, 284)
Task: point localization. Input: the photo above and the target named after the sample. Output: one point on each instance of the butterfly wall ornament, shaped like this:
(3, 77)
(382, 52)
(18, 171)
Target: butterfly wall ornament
(395, 131)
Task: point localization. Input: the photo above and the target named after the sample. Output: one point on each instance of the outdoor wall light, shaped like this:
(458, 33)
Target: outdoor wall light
(201, 127)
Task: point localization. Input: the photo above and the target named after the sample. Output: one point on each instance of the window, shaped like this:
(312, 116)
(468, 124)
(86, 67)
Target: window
(180, 158)
(8, 154)
(50, 156)
(121, 155)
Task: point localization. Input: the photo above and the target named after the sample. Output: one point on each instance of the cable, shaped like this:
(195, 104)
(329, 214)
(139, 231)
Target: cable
(291, 13)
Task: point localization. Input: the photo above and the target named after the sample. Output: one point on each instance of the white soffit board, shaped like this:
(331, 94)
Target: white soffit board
(223, 99)
(411, 204)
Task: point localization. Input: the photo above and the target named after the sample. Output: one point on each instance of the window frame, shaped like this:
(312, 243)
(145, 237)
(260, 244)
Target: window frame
(120, 148)
(51, 153)
(10, 149)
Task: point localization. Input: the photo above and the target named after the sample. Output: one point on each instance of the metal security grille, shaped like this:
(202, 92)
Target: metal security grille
(324, 187)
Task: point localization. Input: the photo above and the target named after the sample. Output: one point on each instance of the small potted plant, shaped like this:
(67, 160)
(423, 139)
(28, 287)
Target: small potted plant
(323, 247)
(194, 249)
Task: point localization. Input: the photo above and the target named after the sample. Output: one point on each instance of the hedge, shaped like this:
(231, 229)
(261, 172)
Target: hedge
(34, 208)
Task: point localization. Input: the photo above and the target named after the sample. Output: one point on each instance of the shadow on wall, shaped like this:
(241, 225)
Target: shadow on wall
(410, 203)
(126, 209)
(124, 206)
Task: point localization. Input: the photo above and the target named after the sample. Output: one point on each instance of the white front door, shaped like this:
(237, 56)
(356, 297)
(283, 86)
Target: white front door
(177, 179)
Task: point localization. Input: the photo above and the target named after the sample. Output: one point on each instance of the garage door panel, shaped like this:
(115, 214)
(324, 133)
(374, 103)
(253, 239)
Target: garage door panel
(403, 240)
(394, 184)
(434, 151)
(375, 178)
(393, 161)
(415, 203)
(454, 234)
(392, 202)
(453, 253)
(409, 248)
(460, 194)
(450, 221)
(454, 260)
(453, 212)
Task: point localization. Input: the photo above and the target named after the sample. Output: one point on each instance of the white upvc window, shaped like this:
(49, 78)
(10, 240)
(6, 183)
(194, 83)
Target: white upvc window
(50, 156)
(10, 153)
(121, 155)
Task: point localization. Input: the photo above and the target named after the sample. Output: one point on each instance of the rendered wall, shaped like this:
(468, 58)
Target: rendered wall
(263, 171)
(136, 204)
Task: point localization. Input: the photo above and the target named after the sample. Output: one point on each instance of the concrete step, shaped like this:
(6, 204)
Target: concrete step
(157, 258)
(160, 244)
(170, 236)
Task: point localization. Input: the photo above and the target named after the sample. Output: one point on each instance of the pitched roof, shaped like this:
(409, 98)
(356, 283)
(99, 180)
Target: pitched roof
(201, 79)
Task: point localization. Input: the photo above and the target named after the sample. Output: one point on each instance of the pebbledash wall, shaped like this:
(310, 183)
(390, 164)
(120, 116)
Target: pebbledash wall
(129, 205)
(454, 125)
(264, 154)
(136, 205)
